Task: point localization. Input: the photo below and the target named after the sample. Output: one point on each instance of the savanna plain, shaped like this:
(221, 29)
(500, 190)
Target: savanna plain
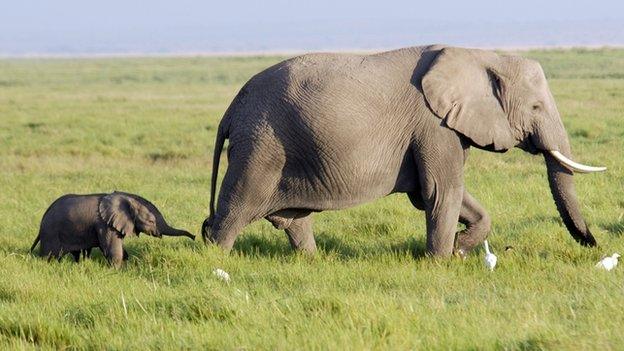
(147, 126)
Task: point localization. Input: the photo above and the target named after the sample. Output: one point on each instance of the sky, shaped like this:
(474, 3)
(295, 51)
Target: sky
(193, 26)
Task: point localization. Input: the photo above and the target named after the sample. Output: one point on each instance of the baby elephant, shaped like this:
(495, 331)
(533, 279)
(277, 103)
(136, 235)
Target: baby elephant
(77, 223)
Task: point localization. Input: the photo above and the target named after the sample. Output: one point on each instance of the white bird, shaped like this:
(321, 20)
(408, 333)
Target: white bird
(490, 258)
(221, 274)
(608, 262)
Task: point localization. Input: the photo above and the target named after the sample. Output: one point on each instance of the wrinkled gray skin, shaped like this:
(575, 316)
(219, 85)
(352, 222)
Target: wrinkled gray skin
(77, 223)
(330, 131)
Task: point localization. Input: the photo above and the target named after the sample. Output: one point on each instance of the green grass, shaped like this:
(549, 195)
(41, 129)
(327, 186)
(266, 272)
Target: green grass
(147, 125)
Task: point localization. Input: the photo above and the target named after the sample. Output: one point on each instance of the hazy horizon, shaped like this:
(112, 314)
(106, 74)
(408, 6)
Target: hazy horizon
(69, 27)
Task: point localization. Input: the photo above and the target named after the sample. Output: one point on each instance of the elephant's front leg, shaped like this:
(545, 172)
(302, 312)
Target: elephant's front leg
(477, 222)
(441, 179)
(442, 195)
(442, 209)
(111, 244)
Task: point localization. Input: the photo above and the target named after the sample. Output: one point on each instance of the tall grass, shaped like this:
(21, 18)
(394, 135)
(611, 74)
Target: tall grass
(147, 125)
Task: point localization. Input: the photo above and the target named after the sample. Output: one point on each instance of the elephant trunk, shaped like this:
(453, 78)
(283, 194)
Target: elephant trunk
(165, 229)
(551, 138)
(561, 184)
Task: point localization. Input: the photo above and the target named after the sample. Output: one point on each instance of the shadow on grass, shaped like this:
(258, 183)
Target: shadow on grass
(96, 255)
(530, 343)
(135, 249)
(615, 228)
(416, 247)
(253, 244)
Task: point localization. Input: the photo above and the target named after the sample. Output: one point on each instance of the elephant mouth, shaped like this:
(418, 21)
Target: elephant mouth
(154, 234)
(528, 146)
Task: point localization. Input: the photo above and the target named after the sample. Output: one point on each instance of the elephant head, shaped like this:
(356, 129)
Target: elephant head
(498, 102)
(131, 214)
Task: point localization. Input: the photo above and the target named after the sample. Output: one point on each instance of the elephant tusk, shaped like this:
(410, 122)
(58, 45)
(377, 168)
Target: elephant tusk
(576, 167)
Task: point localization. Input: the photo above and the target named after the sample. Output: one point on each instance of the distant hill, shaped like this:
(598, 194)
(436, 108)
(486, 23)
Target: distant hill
(280, 36)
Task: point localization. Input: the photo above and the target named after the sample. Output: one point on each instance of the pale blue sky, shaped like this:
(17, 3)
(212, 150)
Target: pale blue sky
(74, 26)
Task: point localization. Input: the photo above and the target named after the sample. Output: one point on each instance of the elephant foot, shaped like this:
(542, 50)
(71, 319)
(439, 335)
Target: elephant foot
(461, 253)
(205, 230)
(464, 243)
(306, 247)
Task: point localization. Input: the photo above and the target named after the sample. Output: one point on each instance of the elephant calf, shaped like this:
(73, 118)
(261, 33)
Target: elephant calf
(77, 223)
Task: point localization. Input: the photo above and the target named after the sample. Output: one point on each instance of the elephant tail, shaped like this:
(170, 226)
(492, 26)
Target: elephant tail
(35, 243)
(222, 134)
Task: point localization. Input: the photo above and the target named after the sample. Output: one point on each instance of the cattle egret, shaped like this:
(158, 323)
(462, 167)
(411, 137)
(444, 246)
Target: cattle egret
(608, 262)
(221, 274)
(490, 258)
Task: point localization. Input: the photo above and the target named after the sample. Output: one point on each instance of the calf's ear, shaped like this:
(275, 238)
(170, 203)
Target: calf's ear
(118, 212)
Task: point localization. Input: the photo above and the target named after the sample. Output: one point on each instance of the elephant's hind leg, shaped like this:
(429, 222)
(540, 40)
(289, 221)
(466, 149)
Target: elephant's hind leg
(298, 227)
(51, 251)
(477, 222)
(244, 197)
(300, 234)
(225, 229)
(57, 255)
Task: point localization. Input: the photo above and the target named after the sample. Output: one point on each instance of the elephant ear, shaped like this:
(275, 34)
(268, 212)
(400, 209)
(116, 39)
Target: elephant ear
(118, 211)
(463, 88)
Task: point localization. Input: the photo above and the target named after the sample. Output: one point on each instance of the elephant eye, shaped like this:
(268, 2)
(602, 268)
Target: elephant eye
(537, 106)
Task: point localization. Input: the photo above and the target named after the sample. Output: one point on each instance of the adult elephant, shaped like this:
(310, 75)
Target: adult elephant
(330, 131)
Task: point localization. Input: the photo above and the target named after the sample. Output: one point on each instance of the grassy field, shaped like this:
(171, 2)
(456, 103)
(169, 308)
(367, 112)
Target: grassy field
(147, 125)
